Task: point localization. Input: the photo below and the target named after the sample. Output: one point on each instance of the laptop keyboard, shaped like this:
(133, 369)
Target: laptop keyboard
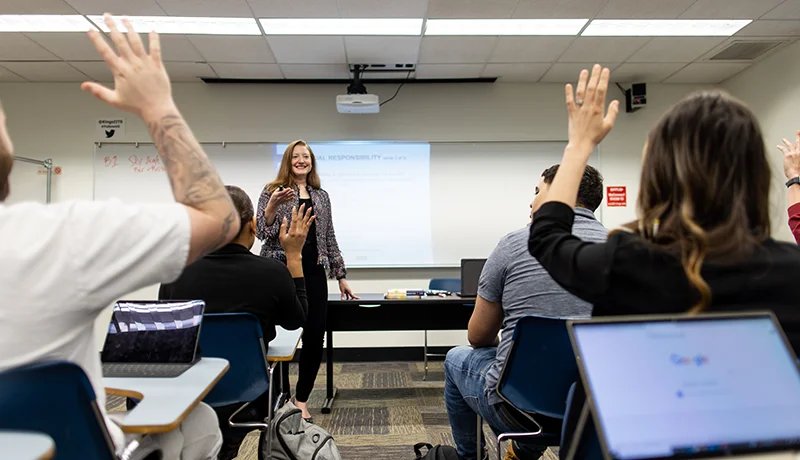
(144, 370)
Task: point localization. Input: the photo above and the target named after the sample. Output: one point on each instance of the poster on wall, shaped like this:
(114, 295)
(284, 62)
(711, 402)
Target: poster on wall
(110, 129)
(616, 196)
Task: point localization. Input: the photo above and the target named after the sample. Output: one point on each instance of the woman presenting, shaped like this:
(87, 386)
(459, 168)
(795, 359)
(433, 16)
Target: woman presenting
(297, 184)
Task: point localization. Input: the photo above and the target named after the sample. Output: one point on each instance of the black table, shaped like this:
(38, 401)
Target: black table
(374, 313)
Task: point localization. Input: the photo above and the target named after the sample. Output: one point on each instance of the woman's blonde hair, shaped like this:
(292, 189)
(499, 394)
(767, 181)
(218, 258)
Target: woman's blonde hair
(285, 175)
(704, 189)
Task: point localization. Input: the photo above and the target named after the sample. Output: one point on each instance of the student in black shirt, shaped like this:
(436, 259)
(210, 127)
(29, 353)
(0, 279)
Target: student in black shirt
(232, 279)
(702, 238)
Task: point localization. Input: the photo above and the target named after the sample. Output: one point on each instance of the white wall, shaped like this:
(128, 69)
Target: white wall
(57, 121)
(772, 90)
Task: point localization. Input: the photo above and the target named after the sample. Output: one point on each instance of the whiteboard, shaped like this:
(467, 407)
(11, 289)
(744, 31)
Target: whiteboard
(479, 191)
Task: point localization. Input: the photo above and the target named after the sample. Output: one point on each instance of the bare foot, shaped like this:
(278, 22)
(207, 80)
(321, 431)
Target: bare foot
(303, 406)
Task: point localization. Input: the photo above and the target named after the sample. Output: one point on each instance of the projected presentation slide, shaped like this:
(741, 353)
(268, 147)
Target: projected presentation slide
(380, 193)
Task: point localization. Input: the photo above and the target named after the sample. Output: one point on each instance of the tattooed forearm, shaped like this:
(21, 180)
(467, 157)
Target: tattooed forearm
(193, 179)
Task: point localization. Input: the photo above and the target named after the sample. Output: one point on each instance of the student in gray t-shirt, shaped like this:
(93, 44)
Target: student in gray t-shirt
(513, 284)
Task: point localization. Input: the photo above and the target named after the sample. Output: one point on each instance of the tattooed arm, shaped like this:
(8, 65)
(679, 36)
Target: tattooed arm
(142, 87)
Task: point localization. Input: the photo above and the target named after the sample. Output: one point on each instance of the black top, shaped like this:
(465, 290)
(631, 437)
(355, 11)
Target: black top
(310, 253)
(234, 280)
(627, 275)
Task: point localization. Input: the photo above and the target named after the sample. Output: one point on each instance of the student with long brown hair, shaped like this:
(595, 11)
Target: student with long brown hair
(702, 237)
(298, 184)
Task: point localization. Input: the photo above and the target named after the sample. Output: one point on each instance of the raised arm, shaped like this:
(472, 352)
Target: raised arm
(791, 168)
(142, 87)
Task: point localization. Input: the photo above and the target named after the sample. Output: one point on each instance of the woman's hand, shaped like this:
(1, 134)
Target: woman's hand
(280, 197)
(347, 293)
(791, 157)
(588, 121)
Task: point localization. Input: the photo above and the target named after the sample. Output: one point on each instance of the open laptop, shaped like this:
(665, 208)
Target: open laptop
(470, 275)
(664, 387)
(152, 338)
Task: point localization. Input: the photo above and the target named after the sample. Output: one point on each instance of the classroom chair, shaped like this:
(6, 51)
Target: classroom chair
(237, 337)
(539, 370)
(56, 398)
(438, 284)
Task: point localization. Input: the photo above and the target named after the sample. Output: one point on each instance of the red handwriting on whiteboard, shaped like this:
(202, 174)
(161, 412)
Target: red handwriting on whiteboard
(147, 163)
(110, 162)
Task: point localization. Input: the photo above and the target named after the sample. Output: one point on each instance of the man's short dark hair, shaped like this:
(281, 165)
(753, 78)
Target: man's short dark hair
(243, 205)
(590, 192)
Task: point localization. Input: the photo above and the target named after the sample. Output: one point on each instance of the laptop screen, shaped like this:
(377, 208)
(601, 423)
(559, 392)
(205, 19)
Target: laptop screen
(671, 388)
(153, 332)
(470, 275)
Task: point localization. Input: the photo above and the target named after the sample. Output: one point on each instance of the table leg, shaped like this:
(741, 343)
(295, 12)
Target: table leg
(330, 389)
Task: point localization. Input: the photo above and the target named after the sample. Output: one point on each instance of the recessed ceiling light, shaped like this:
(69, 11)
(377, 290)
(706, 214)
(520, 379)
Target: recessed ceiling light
(665, 27)
(44, 23)
(185, 25)
(504, 26)
(342, 26)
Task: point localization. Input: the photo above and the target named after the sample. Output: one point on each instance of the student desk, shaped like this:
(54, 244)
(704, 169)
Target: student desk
(26, 445)
(374, 313)
(165, 402)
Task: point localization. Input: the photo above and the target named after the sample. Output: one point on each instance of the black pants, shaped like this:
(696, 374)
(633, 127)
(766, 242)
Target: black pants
(313, 330)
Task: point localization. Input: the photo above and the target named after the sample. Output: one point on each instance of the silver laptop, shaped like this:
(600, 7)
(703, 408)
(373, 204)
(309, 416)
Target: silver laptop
(714, 386)
(470, 275)
(152, 338)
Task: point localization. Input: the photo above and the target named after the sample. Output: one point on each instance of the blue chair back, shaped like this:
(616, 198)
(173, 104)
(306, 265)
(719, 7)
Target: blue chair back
(540, 367)
(55, 398)
(445, 284)
(236, 337)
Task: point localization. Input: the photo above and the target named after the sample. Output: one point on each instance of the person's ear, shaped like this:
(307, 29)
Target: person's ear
(253, 225)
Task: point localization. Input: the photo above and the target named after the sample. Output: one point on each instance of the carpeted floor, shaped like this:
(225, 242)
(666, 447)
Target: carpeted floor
(380, 412)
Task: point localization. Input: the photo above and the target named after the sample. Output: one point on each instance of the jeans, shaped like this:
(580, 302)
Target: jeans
(465, 396)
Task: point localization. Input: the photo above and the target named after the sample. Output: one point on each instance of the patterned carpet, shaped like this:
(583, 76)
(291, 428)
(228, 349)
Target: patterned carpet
(380, 412)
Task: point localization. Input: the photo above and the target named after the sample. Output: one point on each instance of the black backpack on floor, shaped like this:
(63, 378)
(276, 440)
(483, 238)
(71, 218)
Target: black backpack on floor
(435, 453)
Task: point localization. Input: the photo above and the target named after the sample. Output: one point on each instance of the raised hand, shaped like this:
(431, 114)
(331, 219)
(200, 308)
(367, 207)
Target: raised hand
(589, 122)
(141, 84)
(293, 236)
(791, 156)
(278, 198)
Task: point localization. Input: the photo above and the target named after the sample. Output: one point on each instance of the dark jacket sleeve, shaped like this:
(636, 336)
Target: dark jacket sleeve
(165, 292)
(264, 231)
(335, 258)
(794, 221)
(292, 308)
(579, 267)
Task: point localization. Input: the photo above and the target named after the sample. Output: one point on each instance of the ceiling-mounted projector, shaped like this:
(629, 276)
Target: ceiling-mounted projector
(357, 100)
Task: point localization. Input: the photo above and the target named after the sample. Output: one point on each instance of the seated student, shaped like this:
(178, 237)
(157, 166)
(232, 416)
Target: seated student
(791, 168)
(233, 279)
(65, 263)
(512, 285)
(702, 238)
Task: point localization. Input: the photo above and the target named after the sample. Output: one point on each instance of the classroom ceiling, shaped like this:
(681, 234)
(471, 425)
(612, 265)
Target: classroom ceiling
(69, 56)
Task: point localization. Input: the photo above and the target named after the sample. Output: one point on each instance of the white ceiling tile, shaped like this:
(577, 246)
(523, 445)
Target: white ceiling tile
(74, 46)
(675, 49)
(17, 47)
(770, 28)
(207, 8)
(294, 8)
(307, 49)
(118, 7)
(530, 49)
(569, 73)
(644, 9)
(221, 48)
(7, 75)
(561, 9)
(253, 71)
(729, 9)
(177, 48)
(703, 72)
(382, 50)
(305, 71)
(383, 8)
(471, 9)
(516, 72)
(461, 50)
(35, 7)
(95, 70)
(790, 9)
(45, 71)
(644, 73)
(602, 49)
(188, 71)
(449, 70)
